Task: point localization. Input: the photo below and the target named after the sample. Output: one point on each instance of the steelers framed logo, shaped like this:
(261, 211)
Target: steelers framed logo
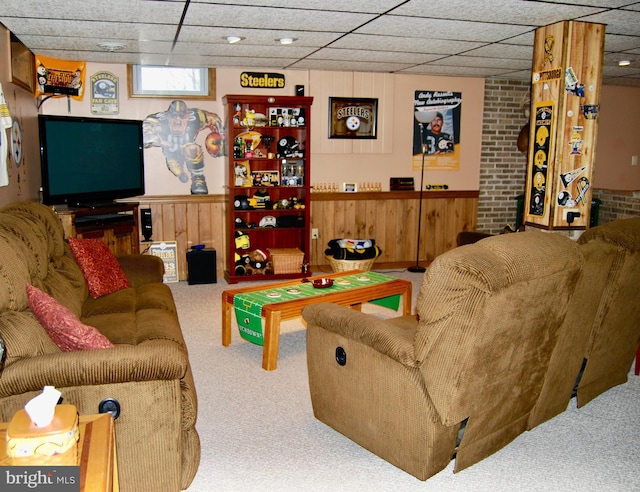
(353, 123)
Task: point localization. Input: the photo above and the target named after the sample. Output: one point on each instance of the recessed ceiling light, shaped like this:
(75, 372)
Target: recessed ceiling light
(286, 40)
(624, 63)
(112, 46)
(233, 39)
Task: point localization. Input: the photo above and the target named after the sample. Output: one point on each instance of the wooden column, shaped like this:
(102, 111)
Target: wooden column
(565, 96)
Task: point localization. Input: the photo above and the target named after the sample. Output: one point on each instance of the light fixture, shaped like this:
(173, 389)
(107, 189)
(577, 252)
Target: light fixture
(423, 118)
(112, 46)
(624, 63)
(233, 39)
(286, 40)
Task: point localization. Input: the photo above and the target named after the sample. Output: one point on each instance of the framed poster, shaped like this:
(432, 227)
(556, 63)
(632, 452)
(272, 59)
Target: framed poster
(104, 93)
(168, 251)
(352, 117)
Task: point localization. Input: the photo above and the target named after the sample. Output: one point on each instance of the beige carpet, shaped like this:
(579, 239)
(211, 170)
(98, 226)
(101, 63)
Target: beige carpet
(258, 432)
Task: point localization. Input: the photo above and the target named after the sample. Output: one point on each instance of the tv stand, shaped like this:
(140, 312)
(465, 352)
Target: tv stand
(92, 205)
(116, 224)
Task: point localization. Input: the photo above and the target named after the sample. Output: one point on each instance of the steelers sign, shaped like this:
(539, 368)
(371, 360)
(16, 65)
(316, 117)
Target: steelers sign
(352, 117)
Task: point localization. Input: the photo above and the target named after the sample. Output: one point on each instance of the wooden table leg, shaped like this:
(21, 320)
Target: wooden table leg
(227, 309)
(407, 298)
(271, 340)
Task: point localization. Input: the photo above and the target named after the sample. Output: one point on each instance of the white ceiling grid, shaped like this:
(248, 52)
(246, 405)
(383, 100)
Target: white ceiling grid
(473, 38)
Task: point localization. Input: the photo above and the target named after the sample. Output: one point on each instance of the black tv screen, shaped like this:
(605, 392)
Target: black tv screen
(90, 161)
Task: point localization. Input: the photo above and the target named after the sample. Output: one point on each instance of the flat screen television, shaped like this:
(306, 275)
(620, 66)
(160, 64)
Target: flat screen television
(89, 162)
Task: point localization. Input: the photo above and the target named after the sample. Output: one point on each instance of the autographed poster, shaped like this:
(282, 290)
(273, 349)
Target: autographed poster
(436, 130)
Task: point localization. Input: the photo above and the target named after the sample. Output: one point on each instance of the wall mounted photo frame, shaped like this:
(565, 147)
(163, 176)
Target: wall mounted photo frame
(351, 117)
(22, 65)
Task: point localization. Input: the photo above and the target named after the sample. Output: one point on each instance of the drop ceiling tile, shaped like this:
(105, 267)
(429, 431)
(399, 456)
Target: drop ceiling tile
(433, 69)
(525, 39)
(503, 50)
(595, 3)
(372, 56)
(498, 11)
(92, 30)
(352, 66)
(254, 53)
(370, 6)
(441, 29)
(209, 35)
(614, 42)
(273, 18)
(147, 11)
(618, 21)
(404, 44)
(491, 63)
(617, 71)
(614, 58)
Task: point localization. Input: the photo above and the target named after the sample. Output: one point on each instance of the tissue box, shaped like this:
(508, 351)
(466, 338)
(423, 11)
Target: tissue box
(55, 444)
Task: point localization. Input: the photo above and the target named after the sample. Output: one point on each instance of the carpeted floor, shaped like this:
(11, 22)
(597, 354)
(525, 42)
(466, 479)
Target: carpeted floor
(258, 432)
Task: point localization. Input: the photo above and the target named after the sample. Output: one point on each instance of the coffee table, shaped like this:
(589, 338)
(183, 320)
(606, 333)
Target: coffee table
(275, 312)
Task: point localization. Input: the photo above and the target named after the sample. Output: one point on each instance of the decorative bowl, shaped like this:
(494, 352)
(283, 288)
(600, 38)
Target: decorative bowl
(322, 283)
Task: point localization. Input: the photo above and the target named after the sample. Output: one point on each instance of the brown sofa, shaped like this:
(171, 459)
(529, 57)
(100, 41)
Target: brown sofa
(462, 377)
(147, 371)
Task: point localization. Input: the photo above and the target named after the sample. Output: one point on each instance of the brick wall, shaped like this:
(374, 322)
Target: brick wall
(503, 168)
(616, 204)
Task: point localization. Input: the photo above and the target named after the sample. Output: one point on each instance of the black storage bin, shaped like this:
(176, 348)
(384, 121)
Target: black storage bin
(201, 264)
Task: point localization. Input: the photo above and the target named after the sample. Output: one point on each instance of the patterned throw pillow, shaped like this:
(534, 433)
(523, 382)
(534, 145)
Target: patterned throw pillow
(100, 268)
(64, 328)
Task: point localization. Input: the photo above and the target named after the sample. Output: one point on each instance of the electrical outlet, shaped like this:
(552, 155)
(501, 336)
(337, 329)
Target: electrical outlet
(634, 160)
(314, 233)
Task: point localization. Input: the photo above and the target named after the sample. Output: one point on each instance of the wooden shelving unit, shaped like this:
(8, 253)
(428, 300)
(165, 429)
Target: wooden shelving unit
(269, 163)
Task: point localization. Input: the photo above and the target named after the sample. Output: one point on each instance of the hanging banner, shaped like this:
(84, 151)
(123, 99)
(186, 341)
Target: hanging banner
(59, 77)
(543, 131)
(436, 130)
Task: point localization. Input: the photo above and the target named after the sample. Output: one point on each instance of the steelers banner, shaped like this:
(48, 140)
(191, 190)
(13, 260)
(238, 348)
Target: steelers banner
(59, 77)
(539, 170)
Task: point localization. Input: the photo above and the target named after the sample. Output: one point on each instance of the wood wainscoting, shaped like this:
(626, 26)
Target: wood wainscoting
(188, 220)
(391, 218)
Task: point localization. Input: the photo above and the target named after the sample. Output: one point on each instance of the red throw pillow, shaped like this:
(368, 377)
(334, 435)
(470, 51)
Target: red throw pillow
(100, 268)
(64, 328)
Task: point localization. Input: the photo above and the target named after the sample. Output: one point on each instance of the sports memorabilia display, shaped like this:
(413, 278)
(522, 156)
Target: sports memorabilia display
(268, 185)
(565, 95)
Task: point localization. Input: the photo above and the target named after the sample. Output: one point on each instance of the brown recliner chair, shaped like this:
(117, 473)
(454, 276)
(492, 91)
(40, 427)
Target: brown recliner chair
(602, 327)
(461, 377)
(615, 334)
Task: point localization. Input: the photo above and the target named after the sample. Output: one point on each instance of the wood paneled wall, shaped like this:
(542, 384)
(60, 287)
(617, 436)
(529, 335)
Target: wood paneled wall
(189, 220)
(391, 218)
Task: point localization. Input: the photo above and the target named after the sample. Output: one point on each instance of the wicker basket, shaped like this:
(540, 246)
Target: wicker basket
(347, 265)
(286, 260)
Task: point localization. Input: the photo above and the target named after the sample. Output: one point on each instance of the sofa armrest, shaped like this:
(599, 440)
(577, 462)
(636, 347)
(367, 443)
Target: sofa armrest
(148, 361)
(141, 269)
(393, 337)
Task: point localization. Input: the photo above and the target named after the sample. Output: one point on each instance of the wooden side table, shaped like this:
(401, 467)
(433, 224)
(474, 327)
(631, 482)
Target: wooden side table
(96, 451)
